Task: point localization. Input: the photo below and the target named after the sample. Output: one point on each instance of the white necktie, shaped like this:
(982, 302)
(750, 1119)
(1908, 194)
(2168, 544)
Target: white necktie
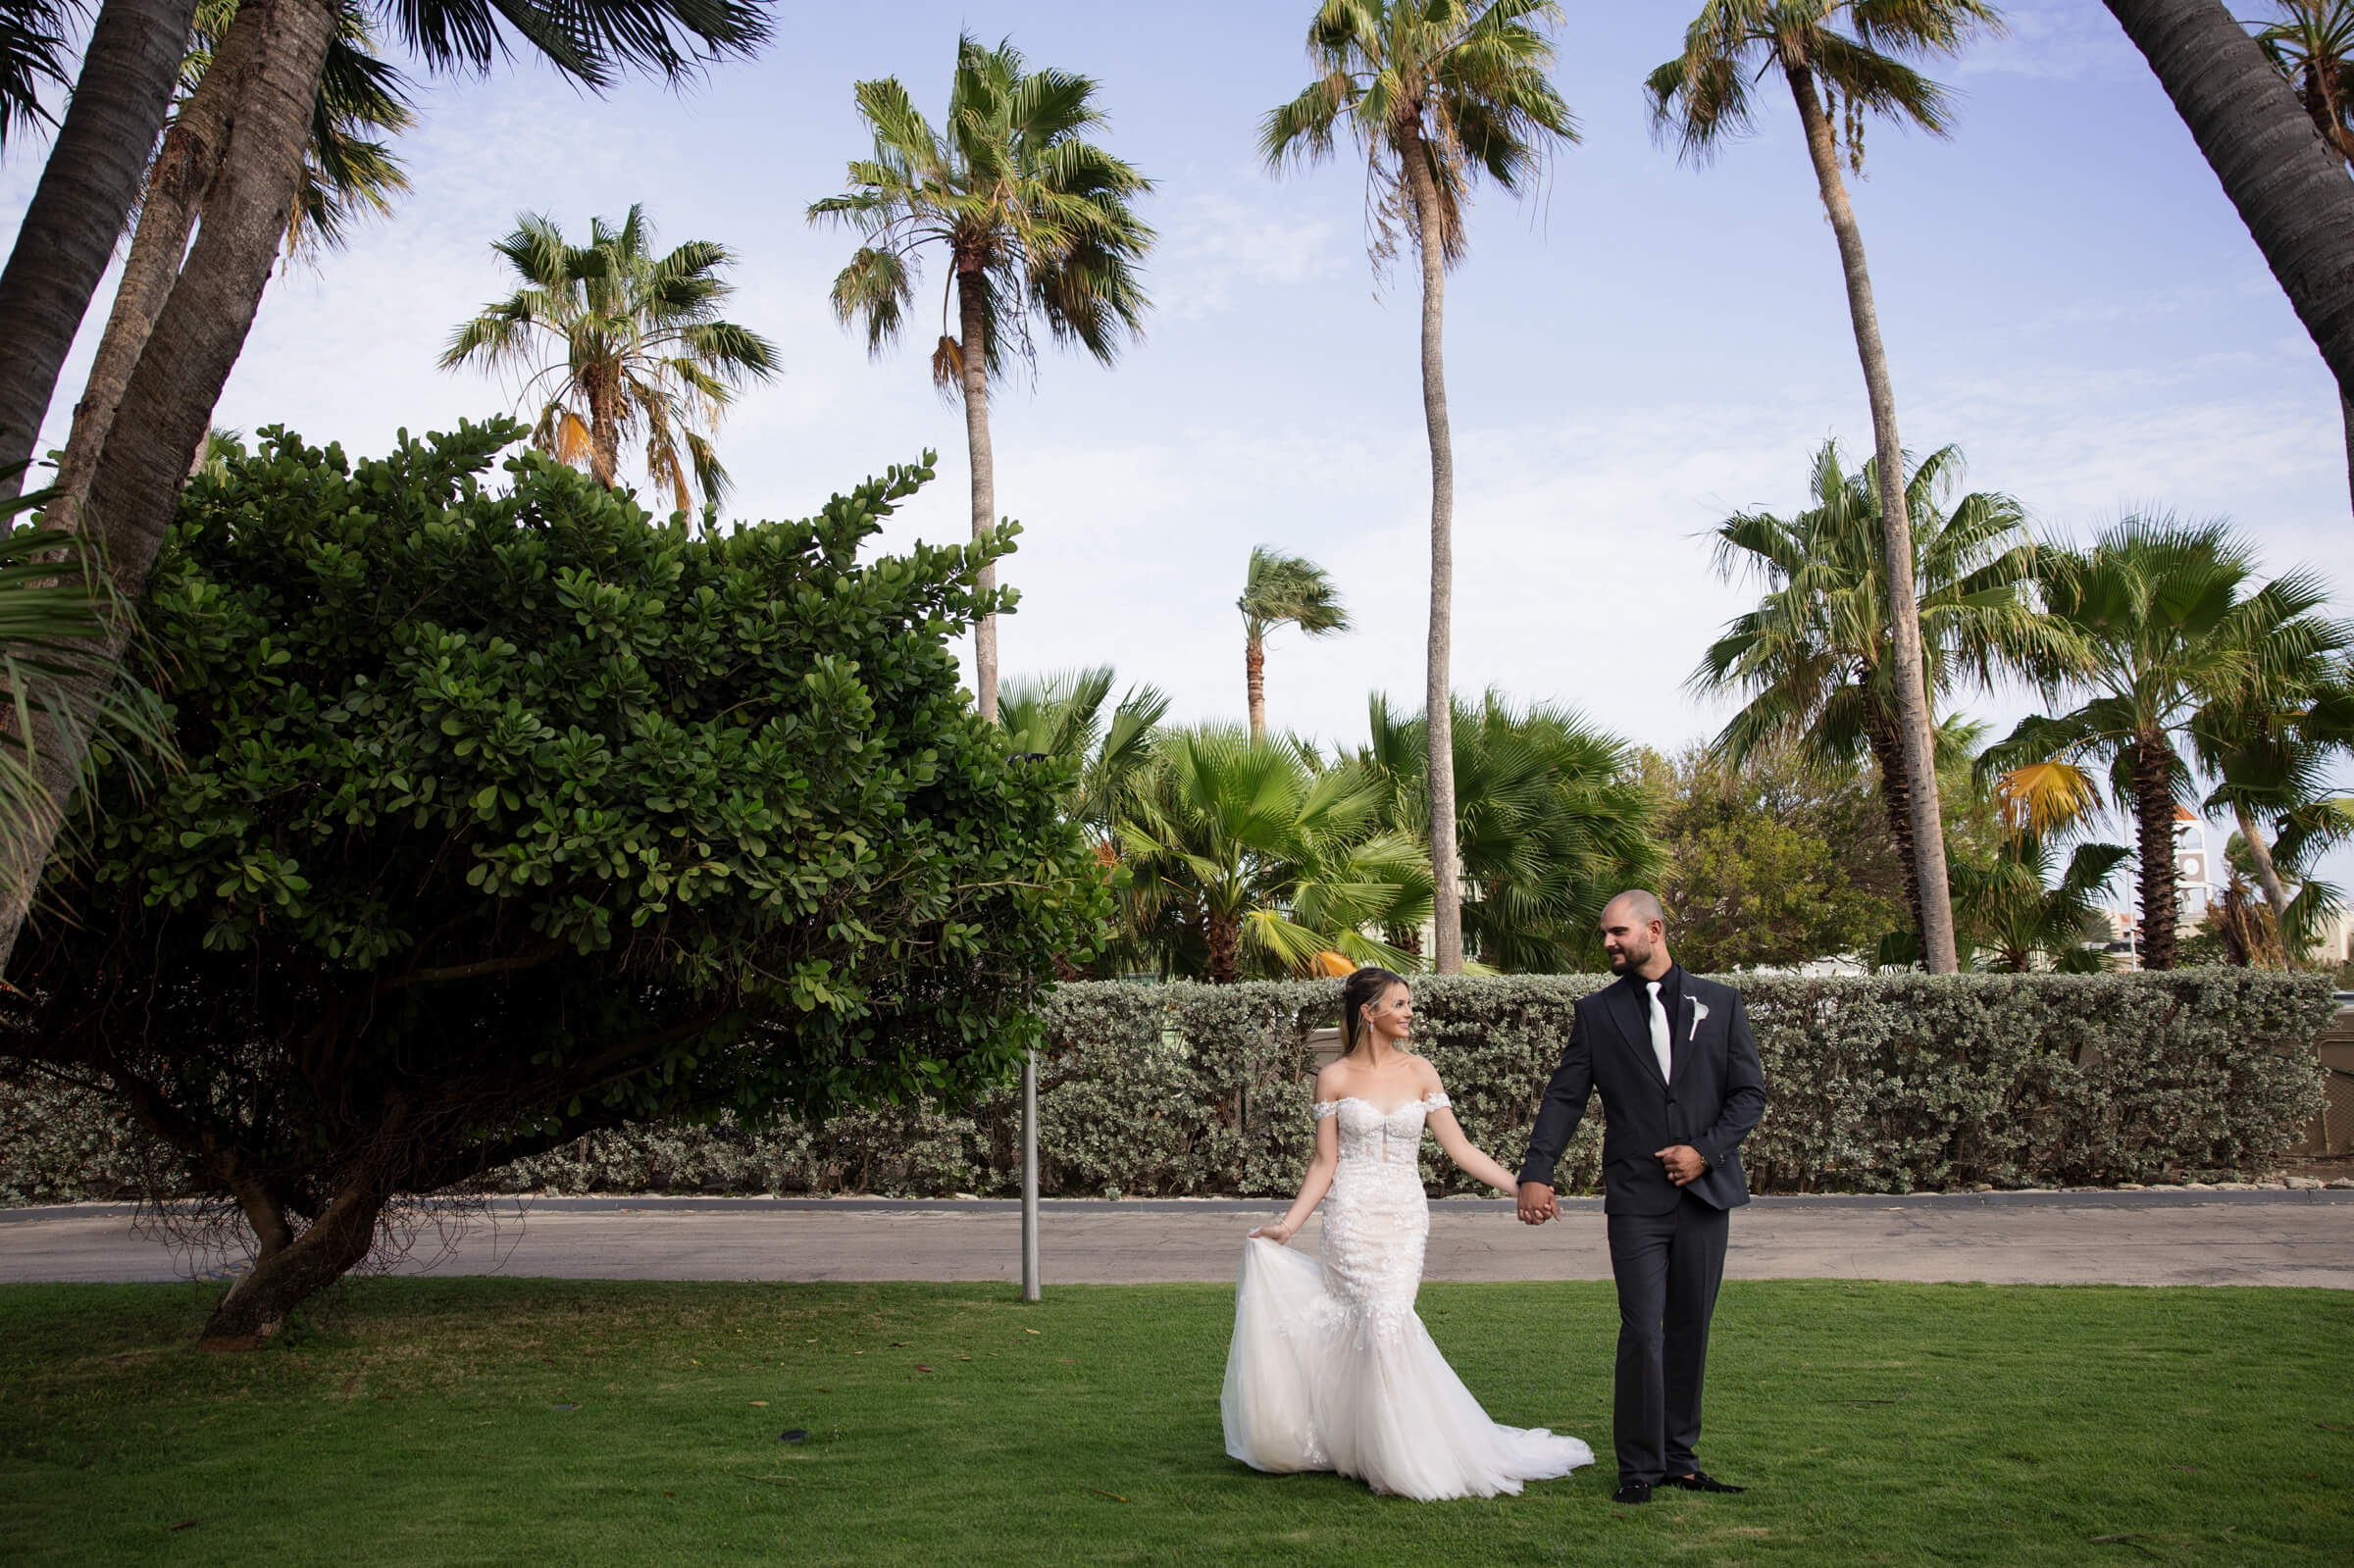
(1659, 1034)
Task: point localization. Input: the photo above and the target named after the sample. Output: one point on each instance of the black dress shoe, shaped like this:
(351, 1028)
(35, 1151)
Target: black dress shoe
(1632, 1492)
(1699, 1480)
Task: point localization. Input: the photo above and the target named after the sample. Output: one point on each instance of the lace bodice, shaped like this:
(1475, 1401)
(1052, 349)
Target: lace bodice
(1368, 1133)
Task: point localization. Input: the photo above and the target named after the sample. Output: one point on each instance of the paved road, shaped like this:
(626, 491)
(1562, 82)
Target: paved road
(2258, 1238)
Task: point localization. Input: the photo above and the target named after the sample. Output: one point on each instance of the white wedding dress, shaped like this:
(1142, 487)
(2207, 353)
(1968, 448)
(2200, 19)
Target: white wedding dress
(1331, 1369)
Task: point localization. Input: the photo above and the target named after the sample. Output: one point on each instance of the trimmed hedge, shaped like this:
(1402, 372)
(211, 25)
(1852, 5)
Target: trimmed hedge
(1887, 1084)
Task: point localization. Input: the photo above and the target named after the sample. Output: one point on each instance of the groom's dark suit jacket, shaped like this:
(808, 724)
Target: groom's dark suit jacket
(1712, 1100)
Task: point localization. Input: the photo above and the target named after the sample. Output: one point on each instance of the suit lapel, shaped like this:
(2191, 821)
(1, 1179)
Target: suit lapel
(1684, 1034)
(1630, 1005)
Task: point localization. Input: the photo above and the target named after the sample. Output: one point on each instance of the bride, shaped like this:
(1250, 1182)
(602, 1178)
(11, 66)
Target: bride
(1330, 1369)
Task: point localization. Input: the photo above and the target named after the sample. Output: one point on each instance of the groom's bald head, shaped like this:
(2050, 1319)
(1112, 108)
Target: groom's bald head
(1637, 905)
(1634, 933)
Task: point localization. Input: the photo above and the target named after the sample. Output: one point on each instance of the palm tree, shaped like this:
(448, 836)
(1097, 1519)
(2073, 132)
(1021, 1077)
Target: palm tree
(1036, 224)
(1246, 855)
(1061, 716)
(2169, 637)
(191, 328)
(618, 339)
(2312, 47)
(33, 47)
(1703, 96)
(2289, 188)
(56, 607)
(1552, 818)
(2270, 746)
(85, 194)
(1816, 659)
(2018, 911)
(1281, 590)
(1435, 93)
(345, 171)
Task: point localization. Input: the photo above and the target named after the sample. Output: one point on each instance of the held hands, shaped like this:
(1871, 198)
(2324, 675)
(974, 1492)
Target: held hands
(1683, 1161)
(1538, 1203)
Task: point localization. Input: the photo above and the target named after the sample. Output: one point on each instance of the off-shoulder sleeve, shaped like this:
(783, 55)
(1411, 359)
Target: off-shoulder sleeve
(1324, 1108)
(1437, 1100)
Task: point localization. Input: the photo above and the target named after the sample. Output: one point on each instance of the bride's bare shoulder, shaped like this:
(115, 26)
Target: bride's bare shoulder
(1333, 1080)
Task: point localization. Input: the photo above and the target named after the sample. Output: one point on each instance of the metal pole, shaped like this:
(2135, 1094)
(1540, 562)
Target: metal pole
(1030, 1280)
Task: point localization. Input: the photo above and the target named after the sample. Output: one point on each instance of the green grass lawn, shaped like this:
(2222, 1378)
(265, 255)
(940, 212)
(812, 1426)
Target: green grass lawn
(518, 1421)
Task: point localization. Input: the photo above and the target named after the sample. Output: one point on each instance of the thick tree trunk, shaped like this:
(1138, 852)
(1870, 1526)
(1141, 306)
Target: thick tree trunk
(1938, 948)
(256, 1307)
(1438, 706)
(604, 432)
(973, 322)
(2289, 189)
(2345, 413)
(1254, 685)
(175, 193)
(2267, 877)
(79, 209)
(1896, 802)
(167, 406)
(1223, 935)
(2152, 767)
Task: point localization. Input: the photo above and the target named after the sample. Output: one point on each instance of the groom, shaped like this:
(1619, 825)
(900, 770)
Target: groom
(1677, 1068)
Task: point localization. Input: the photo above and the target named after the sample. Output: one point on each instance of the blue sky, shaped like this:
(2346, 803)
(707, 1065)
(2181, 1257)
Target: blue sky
(1634, 352)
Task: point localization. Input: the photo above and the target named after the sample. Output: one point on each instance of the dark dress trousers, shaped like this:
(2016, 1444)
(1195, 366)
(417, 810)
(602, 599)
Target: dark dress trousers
(1666, 1242)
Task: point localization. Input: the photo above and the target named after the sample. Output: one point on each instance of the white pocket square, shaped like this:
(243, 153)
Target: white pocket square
(1700, 1010)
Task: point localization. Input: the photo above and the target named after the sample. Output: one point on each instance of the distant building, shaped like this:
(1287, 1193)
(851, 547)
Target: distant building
(2195, 885)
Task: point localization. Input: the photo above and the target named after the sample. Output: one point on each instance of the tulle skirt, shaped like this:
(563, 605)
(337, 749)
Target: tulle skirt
(1314, 1383)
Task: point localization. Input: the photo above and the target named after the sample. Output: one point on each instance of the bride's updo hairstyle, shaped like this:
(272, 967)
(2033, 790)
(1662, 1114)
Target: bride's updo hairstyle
(1363, 986)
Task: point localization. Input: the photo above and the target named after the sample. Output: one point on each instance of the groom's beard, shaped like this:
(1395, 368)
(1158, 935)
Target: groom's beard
(1627, 958)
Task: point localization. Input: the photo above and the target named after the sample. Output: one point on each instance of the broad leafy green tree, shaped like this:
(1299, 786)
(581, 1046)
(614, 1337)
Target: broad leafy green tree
(509, 814)
(1771, 863)
(613, 339)
(1036, 226)
(1816, 658)
(1435, 95)
(1250, 857)
(1839, 77)
(1552, 815)
(2173, 631)
(1281, 590)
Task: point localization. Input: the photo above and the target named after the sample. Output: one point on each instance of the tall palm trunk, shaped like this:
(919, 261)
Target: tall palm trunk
(1938, 948)
(2290, 189)
(1446, 897)
(168, 210)
(69, 229)
(973, 354)
(2267, 877)
(1254, 684)
(167, 406)
(604, 426)
(2152, 768)
(2345, 411)
(1896, 803)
